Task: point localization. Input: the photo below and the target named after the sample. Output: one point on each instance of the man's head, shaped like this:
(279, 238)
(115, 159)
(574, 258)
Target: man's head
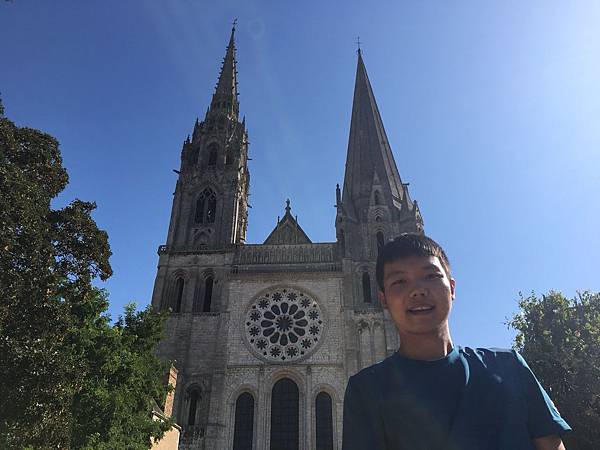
(409, 244)
(413, 274)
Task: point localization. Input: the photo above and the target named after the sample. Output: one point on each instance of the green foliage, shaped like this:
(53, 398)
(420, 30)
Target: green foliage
(70, 378)
(560, 339)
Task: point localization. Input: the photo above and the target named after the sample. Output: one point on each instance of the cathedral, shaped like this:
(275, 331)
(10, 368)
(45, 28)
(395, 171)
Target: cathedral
(265, 336)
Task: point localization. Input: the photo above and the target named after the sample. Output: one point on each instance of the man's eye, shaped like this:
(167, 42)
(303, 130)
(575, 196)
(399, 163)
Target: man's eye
(432, 276)
(398, 282)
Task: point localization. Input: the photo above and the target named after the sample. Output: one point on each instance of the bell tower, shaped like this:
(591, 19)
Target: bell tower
(210, 207)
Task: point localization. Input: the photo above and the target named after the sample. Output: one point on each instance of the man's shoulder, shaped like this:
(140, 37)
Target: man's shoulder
(500, 360)
(373, 374)
(489, 353)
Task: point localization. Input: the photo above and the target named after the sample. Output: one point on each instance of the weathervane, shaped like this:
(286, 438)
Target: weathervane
(234, 23)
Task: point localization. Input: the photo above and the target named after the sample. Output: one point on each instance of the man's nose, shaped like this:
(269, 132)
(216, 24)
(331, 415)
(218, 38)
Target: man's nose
(418, 290)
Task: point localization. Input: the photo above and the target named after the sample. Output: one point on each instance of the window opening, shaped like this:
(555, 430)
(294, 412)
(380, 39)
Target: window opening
(194, 397)
(285, 417)
(178, 294)
(244, 422)
(208, 288)
(366, 285)
(324, 419)
(206, 207)
(377, 198)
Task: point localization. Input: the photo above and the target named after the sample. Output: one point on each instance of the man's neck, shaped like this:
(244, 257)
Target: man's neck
(426, 347)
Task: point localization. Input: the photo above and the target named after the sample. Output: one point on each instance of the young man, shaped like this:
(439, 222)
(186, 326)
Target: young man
(431, 394)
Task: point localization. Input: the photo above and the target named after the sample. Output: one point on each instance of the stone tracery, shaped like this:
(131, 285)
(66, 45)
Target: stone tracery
(283, 324)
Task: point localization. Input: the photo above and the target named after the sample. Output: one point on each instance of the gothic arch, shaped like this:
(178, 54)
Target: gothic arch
(205, 206)
(323, 414)
(281, 433)
(379, 214)
(200, 291)
(237, 441)
(172, 299)
(193, 397)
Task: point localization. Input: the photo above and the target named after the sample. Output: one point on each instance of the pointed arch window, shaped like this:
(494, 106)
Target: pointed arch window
(206, 207)
(377, 198)
(285, 416)
(213, 151)
(244, 422)
(366, 285)
(208, 290)
(380, 241)
(193, 406)
(324, 421)
(229, 158)
(178, 294)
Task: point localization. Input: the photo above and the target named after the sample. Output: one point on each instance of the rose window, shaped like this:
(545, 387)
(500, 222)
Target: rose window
(283, 325)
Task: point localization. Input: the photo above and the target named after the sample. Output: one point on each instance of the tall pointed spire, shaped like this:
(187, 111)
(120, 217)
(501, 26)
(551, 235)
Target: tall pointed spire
(226, 90)
(369, 153)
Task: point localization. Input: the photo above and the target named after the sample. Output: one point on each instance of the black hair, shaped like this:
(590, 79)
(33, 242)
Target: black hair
(406, 245)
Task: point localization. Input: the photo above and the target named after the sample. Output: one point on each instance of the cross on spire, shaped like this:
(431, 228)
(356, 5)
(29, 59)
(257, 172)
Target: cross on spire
(358, 44)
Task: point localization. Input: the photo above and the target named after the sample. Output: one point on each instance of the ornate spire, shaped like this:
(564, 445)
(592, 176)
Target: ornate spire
(226, 90)
(369, 152)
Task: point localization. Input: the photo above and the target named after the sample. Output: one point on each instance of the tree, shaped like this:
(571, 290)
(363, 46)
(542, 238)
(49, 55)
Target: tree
(57, 346)
(560, 339)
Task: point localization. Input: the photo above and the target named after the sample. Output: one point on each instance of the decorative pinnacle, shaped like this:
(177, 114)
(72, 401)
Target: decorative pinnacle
(287, 206)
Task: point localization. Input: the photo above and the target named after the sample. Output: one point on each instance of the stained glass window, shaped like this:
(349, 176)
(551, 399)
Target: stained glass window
(244, 422)
(324, 419)
(284, 324)
(285, 417)
(366, 285)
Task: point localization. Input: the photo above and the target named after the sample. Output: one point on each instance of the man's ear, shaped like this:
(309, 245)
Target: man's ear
(381, 297)
(453, 287)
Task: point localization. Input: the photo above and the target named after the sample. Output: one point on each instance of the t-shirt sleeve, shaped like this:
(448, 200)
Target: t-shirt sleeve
(543, 419)
(362, 429)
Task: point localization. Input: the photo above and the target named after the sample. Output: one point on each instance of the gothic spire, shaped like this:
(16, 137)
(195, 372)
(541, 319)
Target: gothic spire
(226, 90)
(369, 153)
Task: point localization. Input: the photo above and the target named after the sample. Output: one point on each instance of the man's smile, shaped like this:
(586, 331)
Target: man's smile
(421, 309)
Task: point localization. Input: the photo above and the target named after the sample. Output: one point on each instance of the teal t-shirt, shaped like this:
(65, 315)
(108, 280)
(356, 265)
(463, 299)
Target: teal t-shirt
(473, 399)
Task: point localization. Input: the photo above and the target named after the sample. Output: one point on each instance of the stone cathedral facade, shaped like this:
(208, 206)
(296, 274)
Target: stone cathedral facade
(265, 336)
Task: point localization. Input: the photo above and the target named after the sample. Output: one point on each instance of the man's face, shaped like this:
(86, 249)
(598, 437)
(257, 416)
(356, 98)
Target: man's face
(418, 294)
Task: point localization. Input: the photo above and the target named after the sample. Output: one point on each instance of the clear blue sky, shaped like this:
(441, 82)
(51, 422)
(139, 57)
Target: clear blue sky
(492, 110)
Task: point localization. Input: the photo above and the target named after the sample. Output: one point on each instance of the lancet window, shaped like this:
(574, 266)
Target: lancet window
(193, 406)
(324, 422)
(208, 290)
(366, 285)
(244, 422)
(206, 207)
(178, 294)
(285, 416)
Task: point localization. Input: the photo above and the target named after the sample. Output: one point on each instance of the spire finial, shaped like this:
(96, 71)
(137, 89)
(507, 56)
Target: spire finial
(287, 206)
(358, 44)
(234, 23)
